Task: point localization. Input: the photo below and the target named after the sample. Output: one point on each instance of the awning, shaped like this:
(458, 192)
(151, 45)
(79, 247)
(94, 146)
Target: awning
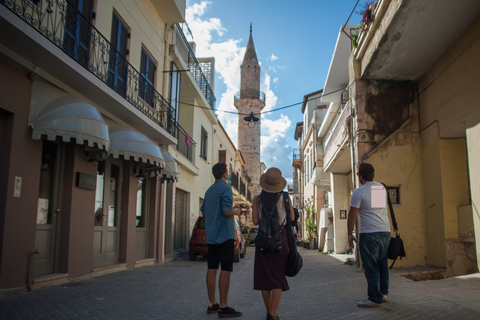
(70, 117)
(171, 167)
(132, 144)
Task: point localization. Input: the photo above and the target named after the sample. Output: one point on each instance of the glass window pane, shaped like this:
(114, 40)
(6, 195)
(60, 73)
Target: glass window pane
(98, 220)
(49, 154)
(140, 221)
(112, 207)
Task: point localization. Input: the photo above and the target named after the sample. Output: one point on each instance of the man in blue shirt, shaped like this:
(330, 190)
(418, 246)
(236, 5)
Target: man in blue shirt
(219, 215)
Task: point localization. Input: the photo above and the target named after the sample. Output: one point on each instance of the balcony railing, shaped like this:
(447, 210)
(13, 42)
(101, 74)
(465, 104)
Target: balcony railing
(197, 71)
(185, 145)
(235, 179)
(66, 27)
(249, 94)
(243, 189)
(297, 155)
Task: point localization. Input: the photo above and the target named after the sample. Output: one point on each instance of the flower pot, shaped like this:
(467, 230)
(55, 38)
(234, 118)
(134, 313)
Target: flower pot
(311, 244)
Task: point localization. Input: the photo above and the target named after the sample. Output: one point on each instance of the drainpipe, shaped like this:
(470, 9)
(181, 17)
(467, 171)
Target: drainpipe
(366, 156)
(354, 180)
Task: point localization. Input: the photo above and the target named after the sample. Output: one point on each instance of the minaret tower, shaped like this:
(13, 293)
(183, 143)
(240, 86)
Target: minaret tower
(250, 100)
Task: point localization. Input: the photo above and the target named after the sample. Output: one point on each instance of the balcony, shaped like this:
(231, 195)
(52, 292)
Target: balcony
(249, 94)
(297, 158)
(392, 27)
(320, 178)
(66, 28)
(241, 193)
(336, 152)
(195, 67)
(185, 144)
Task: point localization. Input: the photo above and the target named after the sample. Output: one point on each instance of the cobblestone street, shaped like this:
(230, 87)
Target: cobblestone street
(326, 288)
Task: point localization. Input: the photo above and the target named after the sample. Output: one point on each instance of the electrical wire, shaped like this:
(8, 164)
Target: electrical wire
(263, 112)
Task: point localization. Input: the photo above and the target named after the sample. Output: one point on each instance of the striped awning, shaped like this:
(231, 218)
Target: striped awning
(70, 117)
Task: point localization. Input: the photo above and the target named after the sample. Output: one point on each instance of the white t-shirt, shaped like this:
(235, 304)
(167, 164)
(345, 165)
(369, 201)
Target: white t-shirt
(371, 219)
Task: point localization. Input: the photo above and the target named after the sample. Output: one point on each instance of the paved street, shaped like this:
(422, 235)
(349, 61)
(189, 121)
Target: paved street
(326, 288)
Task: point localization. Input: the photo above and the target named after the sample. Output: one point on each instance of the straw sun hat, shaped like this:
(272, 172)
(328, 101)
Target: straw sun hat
(272, 181)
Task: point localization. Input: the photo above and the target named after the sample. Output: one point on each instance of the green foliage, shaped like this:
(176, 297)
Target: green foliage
(310, 224)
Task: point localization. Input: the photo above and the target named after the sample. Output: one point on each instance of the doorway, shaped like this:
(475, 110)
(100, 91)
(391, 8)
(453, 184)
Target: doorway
(106, 222)
(48, 209)
(180, 218)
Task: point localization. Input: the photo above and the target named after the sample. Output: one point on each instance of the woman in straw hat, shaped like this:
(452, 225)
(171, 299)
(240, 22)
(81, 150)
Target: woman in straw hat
(269, 269)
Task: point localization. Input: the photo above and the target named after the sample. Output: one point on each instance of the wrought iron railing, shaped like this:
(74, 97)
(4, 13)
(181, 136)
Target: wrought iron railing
(67, 28)
(249, 94)
(197, 71)
(234, 180)
(185, 144)
(297, 155)
(243, 189)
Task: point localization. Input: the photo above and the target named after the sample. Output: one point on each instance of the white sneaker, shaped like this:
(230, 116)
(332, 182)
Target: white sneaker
(385, 298)
(369, 304)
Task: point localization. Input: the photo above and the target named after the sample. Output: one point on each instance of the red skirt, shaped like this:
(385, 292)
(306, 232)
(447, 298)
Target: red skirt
(269, 269)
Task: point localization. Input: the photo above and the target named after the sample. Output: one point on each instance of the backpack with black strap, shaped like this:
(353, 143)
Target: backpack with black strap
(269, 239)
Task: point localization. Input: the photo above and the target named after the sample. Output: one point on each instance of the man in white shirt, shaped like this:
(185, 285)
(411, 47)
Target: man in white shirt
(369, 202)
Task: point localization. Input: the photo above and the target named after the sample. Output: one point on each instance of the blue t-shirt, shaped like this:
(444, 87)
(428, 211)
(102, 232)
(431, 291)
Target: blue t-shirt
(371, 219)
(218, 201)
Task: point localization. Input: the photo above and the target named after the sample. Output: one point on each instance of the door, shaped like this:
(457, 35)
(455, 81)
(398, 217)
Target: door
(48, 209)
(78, 30)
(106, 229)
(141, 220)
(117, 65)
(180, 218)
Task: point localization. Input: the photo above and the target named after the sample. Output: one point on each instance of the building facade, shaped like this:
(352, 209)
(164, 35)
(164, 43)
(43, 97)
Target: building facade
(409, 108)
(100, 170)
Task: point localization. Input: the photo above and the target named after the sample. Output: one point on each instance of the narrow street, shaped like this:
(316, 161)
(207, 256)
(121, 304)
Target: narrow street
(326, 288)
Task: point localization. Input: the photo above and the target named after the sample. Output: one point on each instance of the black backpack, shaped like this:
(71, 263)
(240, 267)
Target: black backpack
(268, 240)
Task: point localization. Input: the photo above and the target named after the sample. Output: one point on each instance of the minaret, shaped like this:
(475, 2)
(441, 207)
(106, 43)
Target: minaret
(249, 100)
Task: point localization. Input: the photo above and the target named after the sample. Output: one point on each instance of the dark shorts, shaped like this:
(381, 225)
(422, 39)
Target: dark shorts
(221, 254)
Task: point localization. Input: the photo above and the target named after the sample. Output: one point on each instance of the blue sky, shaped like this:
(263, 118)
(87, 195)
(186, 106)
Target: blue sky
(294, 43)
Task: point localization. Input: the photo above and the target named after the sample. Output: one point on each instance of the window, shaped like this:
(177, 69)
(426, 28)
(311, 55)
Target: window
(147, 72)
(203, 144)
(140, 211)
(117, 65)
(76, 42)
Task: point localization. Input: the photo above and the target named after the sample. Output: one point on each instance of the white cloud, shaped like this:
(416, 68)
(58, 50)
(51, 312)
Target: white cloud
(229, 54)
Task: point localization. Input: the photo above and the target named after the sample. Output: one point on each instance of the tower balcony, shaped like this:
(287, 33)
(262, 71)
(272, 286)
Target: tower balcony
(250, 94)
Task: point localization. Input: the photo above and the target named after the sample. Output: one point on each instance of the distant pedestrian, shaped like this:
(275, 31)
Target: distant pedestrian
(374, 234)
(269, 269)
(220, 236)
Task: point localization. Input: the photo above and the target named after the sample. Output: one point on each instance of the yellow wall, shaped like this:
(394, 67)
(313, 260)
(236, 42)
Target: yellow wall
(401, 166)
(473, 138)
(448, 107)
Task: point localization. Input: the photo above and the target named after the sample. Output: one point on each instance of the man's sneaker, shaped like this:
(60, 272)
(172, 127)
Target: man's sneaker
(229, 313)
(384, 298)
(213, 308)
(369, 304)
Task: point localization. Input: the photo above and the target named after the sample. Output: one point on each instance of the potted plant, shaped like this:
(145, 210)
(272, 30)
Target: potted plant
(311, 227)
